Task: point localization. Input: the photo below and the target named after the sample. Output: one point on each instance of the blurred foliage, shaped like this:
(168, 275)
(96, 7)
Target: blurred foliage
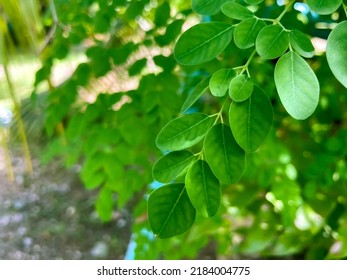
(291, 199)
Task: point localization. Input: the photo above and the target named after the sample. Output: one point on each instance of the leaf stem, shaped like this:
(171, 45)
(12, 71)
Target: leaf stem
(345, 8)
(278, 19)
(245, 67)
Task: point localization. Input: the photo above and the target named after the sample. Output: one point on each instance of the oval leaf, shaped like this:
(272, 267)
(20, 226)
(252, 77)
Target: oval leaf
(223, 154)
(203, 42)
(337, 52)
(195, 94)
(170, 211)
(251, 120)
(240, 88)
(297, 85)
(203, 189)
(236, 11)
(301, 43)
(207, 7)
(272, 42)
(171, 165)
(254, 2)
(220, 81)
(324, 7)
(247, 31)
(183, 132)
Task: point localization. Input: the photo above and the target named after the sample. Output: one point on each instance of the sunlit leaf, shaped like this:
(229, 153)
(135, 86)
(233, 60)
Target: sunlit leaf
(240, 88)
(220, 81)
(247, 31)
(236, 11)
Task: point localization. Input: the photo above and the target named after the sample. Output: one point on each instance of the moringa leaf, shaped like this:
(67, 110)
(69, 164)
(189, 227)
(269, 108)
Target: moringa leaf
(324, 7)
(236, 11)
(195, 94)
(247, 31)
(240, 88)
(301, 43)
(207, 7)
(220, 81)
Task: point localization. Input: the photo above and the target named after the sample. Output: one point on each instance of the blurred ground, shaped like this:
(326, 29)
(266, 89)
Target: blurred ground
(49, 215)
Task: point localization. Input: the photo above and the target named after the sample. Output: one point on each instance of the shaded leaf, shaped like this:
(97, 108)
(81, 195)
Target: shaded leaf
(324, 7)
(203, 42)
(236, 11)
(223, 154)
(195, 94)
(240, 88)
(297, 85)
(301, 43)
(220, 81)
(170, 211)
(203, 189)
(207, 7)
(251, 120)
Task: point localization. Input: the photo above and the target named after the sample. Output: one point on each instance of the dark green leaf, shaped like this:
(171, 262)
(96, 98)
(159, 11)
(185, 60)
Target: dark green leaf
(207, 7)
(171, 165)
(203, 42)
(170, 211)
(195, 94)
(301, 43)
(220, 81)
(272, 42)
(137, 67)
(254, 2)
(324, 7)
(184, 132)
(240, 88)
(251, 120)
(203, 189)
(297, 85)
(337, 52)
(236, 11)
(162, 14)
(247, 31)
(223, 154)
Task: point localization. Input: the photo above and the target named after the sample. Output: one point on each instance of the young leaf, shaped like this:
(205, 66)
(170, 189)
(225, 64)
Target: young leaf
(203, 189)
(207, 7)
(203, 42)
(236, 11)
(171, 165)
(297, 85)
(324, 7)
(247, 31)
(223, 154)
(170, 211)
(195, 94)
(301, 43)
(240, 88)
(337, 52)
(251, 120)
(272, 42)
(183, 132)
(220, 81)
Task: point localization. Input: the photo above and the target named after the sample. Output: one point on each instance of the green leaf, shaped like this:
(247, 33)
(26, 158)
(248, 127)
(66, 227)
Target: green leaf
(297, 85)
(240, 88)
(207, 7)
(324, 7)
(162, 14)
(183, 132)
(236, 11)
(220, 81)
(337, 52)
(272, 42)
(247, 31)
(195, 94)
(203, 42)
(223, 154)
(104, 204)
(203, 189)
(301, 43)
(170, 211)
(251, 120)
(254, 2)
(171, 165)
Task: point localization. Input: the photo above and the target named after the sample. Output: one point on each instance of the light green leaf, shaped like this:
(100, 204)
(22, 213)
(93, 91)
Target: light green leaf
(207, 7)
(254, 2)
(272, 42)
(170, 211)
(297, 85)
(104, 204)
(247, 31)
(183, 132)
(203, 189)
(223, 154)
(324, 7)
(236, 11)
(203, 42)
(171, 165)
(337, 52)
(240, 88)
(195, 94)
(220, 81)
(301, 43)
(251, 120)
